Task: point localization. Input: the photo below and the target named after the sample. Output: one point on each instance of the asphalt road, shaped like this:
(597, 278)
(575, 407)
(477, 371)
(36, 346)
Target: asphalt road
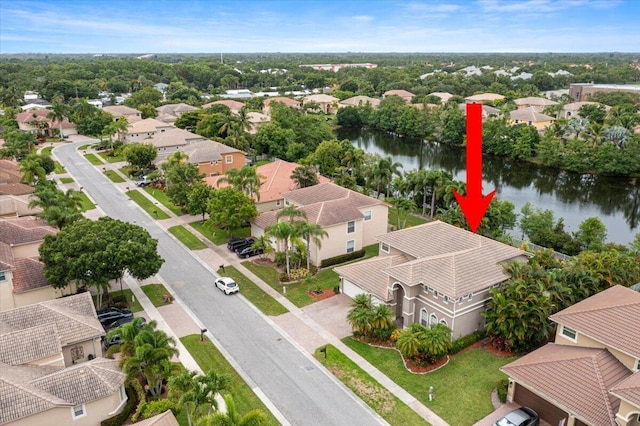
(298, 386)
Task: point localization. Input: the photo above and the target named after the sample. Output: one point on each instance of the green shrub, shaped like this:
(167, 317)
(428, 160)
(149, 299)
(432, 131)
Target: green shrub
(383, 334)
(118, 420)
(280, 258)
(159, 406)
(336, 289)
(283, 277)
(336, 260)
(465, 341)
(298, 274)
(142, 399)
(502, 389)
(114, 349)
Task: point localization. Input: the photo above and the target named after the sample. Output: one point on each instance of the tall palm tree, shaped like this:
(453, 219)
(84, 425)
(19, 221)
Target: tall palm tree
(382, 173)
(438, 180)
(285, 232)
(127, 334)
(246, 180)
(232, 417)
(382, 317)
(84, 109)
(411, 340)
(311, 232)
(59, 208)
(59, 112)
(197, 392)
(32, 170)
(291, 212)
(304, 176)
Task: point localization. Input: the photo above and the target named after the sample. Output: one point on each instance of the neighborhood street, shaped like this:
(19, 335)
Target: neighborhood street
(297, 385)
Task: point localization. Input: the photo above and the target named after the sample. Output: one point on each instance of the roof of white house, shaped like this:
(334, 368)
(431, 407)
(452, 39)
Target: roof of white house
(444, 96)
(147, 125)
(529, 114)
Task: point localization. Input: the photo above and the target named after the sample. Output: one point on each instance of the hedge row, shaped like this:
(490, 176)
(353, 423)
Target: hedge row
(465, 341)
(342, 258)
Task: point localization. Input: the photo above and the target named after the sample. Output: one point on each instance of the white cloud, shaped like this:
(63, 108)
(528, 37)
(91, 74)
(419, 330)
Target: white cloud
(363, 18)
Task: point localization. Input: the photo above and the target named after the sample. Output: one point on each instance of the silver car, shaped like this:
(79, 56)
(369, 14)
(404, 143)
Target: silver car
(227, 285)
(523, 416)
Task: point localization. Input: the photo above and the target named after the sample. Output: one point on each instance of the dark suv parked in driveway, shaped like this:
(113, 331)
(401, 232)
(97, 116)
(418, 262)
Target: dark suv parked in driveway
(240, 243)
(109, 315)
(248, 252)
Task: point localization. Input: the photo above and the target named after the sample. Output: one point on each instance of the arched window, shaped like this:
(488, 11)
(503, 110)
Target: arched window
(444, 322)
(424, 317)
(433, 319)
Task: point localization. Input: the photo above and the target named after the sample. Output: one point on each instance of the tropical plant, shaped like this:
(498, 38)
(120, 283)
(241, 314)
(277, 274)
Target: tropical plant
(196, 392)
(245, 180)
(304, 176)
(232, 417)
(58, 112)
(310, 232)
(361, 314)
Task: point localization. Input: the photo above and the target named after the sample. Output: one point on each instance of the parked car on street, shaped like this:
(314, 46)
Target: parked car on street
(240, 243)
(109, 315)
(227, 285)
(248, 252)
(523, 416)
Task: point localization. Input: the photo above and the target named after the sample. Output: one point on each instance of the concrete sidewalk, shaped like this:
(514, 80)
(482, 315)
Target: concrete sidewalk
(310, 333)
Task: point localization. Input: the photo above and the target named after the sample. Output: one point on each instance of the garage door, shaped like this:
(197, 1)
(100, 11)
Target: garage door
(351, 289)
(547, 411)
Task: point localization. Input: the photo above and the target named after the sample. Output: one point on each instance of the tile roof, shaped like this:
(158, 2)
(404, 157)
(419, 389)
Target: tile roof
(147, 125)
(451, 260)
(628, 389)
(33, 115)
(7, 261)
(484, 97)
(16, 189)
(588, 372)
(401, 93)
(164, 419)
(16, 205)
(616, 308)
(29, 344)
(529, 114)
(206, 151)
(173, 137)
(229, 103)
(444, 96)
(276, 179)
(74, 316)
(320, 98)
(328, 192)
(360, 100)
(28, 275)
(9, 171)
(20, 401)
(175, 109)
(369, 276)
(532, 100)
(24, 230)
(575, 106)
(257, 117)
(291, 103)
(120, 110)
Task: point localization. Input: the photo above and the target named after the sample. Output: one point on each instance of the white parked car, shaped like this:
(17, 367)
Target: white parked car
(227, 285)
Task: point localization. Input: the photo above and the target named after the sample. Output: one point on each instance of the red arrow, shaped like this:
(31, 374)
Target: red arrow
(474, 205)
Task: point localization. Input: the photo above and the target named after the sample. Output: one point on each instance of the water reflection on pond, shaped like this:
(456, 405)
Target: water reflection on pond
(575, 197)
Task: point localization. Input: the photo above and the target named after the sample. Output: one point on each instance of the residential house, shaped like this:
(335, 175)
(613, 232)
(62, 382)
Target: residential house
(538, 103)
(487, 111)
(291, 103)
(214, 158)
(432, 273)
(14, 195)
(571, 110)
(51, 369)
(131, 114)
(359, 101)
(163, 419)
(582, 91)
(234, 106)
(532, 117)
(237, 94)
(256, 120)
(140, 130)
(16, 205)
(406, 96)
(171, 140)
(350, 218)
(38, 103)
(484, 97)
(444, 96)
(590, 375)
(171, 112)
(326, 104)
(36, 122)
(22, 280)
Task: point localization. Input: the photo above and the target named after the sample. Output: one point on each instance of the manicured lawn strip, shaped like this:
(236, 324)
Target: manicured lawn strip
(83, 147)
(296, 292)
(125, 171)
(155, 292)
(159, 195)
(58, 169)
(261, 300)
(93, 159)
(467, 381)
(216, 235)
(411, 219)
(114, 176)
(187, 238)
(46, 151)
(147, 205)
(209, 358)
(86, 202)
(371, 251)
(134, 306)
(368, 389)
(111, 158)
(66, 180)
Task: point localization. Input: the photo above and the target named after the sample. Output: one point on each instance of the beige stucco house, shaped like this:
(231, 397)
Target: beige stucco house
(535, 102)
(36, 121)
(359, 101)
(22, 280)
(234, 106)
(404, 94)
(170, 140)
(350, 219)
(571, 110)
(214, 158)
(256, 120)
(327, 104)
(131, 114)
(532, 117)
(432, 273)
(591, 374)
(171, 112)
(291, 103)
(485, 97)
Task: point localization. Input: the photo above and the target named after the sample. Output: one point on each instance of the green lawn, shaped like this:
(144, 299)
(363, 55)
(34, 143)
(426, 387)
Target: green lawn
(209, 358)
(159, 195)
(46, 151)
(114, 176)
(411, 219)
(216, 235)
(147, 205)
(368, 389)
(467, 381)
(156, 293)
(86, 202)
(66, 180)
(261, 300)
(93, 159)
(187, 238)
(111, 158)
(133, 305)
(58, 169)
(296, 292)
(83, 147)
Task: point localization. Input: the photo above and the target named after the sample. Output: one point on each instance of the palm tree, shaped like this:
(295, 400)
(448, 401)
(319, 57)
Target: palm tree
(283, 231)
(246, 180)
(403, 206)
(263, 242)
(311, 232)
(59, 208)
(32, 170)
(243, 119)
(127, 334)
(84, 109)
(255, 417)
(410, 340)
(381, 174)
(291, 212)
(59, 112)
(361, 314)
(382, 317)
(437, 341)
(304, 176)
(197, 392)
(228, 120)
(437, 180)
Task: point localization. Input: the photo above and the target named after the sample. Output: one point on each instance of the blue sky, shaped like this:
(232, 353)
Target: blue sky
(193, 26)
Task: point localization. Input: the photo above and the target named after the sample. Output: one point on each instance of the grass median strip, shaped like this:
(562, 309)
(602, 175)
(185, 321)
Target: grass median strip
(163, 199)
(158, 294)
(111, 158)
(66, 180)
(258, 297)
(383, 402)
(208, 358)
(466, 381)
(86, 202)
(187, 238)
(216, 235)
(93, 159)
(58, 169)
(114, 176)
(151, 209)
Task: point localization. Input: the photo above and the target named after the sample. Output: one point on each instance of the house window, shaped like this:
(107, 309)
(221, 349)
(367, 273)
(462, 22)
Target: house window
(77, 353)
(122, 393)
(78, 411)
(228, 159)
(351, 246)
(351, 227)
(3, 276)
(367, 215)
(435, 293)
(470, 297)
(286, 202)
(460, 299)
(637, 365)
(446, 299)
(278, 203)
(433, 319)
(444, 322)
(384, 247)
(424, 317)
(569, 333)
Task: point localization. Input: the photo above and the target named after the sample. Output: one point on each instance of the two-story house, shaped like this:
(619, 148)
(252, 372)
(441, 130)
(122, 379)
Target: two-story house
(131, 114)
(591, 374)
(214, 158)
(350, 219)
(36, 121)
(432, 273)
(531, 116)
